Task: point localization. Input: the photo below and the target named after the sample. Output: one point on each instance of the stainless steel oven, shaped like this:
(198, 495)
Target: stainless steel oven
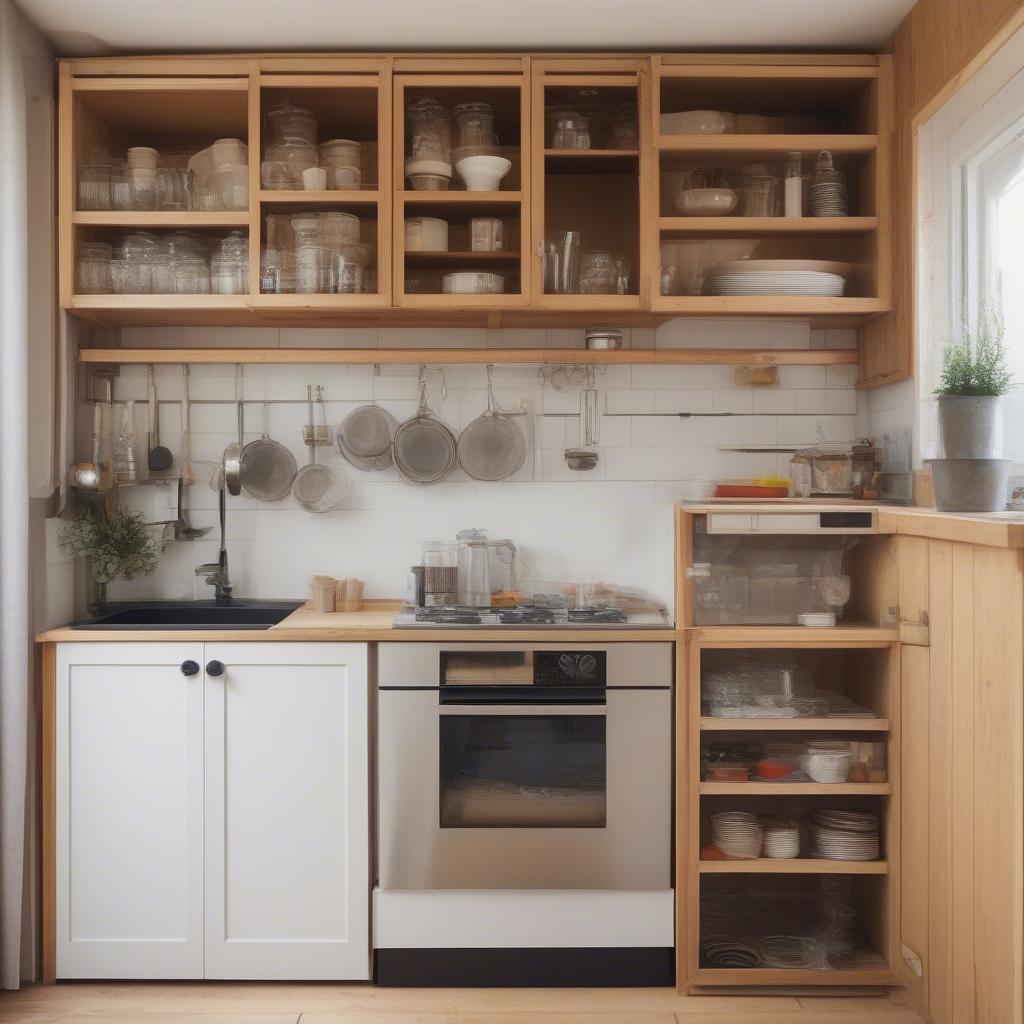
(525, 766)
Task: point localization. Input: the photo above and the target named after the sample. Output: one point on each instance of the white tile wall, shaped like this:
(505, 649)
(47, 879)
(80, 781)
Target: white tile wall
(615, 523)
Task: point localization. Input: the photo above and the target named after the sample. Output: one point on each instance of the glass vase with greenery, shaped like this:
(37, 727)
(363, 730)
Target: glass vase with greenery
(119, 546)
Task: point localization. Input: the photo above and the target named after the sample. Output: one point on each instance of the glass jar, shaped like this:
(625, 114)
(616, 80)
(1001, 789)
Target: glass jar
(343, 160)
(120, 186)
(191, 275)
(350, 269)
(598, 274)
(277, 271)
(93, 272)
(131, 267)
(94, 182)
(569, 130)
(760, 192)
(623, 129)
(429, 127)
(476, 127)
(312, 270)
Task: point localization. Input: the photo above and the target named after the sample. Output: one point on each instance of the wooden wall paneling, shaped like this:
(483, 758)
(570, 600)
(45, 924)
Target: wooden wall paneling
(958, 992)
(941, 813)
(912, 557)
(998, 786)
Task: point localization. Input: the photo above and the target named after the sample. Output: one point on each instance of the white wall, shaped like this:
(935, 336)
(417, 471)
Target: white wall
(612, 524)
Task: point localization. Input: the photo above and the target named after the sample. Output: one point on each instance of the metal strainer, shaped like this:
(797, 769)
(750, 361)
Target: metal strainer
(425, 449)
(319, 488)
(492, 447)
(268, 468)
(365, 437)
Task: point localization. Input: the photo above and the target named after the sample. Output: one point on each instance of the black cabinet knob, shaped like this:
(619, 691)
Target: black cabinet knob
(189, 668)
(215, 668)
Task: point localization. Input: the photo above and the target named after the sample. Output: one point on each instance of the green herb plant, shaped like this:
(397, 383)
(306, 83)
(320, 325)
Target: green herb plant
(976, 363)
(119, 543)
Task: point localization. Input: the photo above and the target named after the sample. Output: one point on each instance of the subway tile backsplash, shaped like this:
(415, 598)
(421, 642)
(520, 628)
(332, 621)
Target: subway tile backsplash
(659, 444)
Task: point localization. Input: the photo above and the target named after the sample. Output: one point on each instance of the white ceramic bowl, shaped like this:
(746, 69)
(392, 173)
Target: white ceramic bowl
(828, 767)
(473, 282)
(705, 202)
(483, 173)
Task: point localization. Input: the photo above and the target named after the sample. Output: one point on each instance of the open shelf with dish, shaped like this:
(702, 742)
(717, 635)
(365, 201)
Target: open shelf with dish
(460, 216)
(773, 162)
(591, 163)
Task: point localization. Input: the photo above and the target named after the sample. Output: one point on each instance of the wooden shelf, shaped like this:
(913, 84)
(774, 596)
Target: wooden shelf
(766, 225)
(590, 161)
(713, 977)
(794, 789)
(111, 304)
(162, 218)
(459, 259)
(797, 866)
(742, 145)
(416, 198)
(768, 305)
(794, 725)
(855, 634)
(347, 197)
(438, 356)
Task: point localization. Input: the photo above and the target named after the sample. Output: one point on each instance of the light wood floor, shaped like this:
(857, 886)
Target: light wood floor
(258, 1003)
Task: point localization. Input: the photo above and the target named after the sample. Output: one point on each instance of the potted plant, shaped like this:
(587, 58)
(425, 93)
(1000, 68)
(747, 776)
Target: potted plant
(974, 379)
(118, 544)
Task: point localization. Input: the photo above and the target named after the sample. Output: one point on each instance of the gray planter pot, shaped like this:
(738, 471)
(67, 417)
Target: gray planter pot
(971, 426)
(970, 485)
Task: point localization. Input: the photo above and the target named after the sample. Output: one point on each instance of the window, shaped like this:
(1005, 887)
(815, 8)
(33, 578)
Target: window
(996, 278)
(970, 231)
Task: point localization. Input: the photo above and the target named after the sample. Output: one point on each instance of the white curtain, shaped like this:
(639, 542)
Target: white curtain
(15, 641)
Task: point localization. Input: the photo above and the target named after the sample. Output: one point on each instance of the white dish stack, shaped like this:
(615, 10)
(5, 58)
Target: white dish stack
(846, 835)
(737, 834)
(781, 841)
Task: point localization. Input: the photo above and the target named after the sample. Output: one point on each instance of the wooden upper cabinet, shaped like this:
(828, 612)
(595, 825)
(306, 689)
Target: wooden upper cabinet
(590, 179)
(585, 225)
(461, 219)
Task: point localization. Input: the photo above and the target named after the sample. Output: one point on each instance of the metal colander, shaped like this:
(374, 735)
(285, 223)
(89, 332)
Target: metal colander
(267, 467)
(493, 446)
(425, 449)
(365, 437)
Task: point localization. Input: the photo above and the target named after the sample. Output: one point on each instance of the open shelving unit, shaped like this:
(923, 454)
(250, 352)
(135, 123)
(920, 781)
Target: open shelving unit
(612, 196)
(850, 109)
(858, 660)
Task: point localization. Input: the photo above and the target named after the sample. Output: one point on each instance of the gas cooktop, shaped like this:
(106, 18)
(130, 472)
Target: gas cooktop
(525, 617)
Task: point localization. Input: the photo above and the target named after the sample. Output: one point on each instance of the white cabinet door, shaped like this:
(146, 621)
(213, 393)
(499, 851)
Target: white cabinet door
(287, 831)
(129, 811)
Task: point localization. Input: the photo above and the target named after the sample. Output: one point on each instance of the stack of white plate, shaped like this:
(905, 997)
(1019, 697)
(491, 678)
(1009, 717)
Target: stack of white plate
(737, 834)
(828, 199)
(781, 841)
(825, 278)
(846, 835)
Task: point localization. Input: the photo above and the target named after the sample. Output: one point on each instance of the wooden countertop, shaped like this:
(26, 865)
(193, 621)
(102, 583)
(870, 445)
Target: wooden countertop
(374, 623)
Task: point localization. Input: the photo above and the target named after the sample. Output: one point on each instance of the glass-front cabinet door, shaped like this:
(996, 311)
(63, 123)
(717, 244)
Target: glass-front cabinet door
(590, 127)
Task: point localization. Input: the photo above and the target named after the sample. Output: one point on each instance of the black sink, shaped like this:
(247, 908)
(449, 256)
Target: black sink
(192, 615)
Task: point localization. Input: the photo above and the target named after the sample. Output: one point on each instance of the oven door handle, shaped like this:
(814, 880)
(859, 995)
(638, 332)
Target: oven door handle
(538, 710)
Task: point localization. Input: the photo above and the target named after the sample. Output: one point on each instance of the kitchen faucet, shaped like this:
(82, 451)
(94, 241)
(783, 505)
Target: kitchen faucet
(216, 573)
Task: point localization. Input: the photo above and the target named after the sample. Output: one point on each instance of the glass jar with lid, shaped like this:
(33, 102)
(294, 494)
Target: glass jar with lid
(475, 123)
(428, 154)
(598, 274)
(93, 272)
(569, 129)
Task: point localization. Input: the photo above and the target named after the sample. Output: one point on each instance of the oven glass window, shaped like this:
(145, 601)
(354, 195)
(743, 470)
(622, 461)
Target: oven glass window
(523, 771)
